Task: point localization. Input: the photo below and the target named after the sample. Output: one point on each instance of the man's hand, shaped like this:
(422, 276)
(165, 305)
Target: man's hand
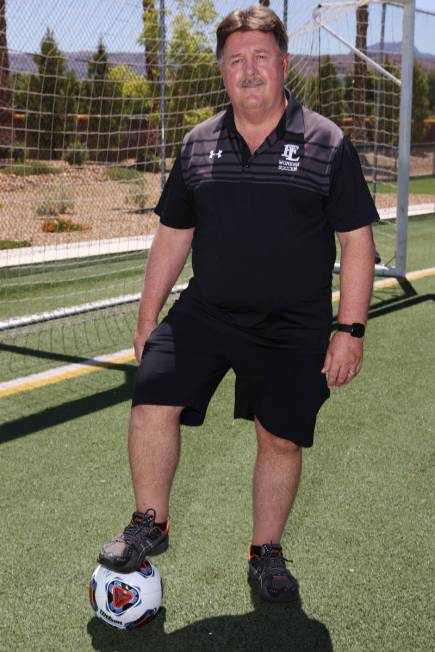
(343, 359)
(142, 334)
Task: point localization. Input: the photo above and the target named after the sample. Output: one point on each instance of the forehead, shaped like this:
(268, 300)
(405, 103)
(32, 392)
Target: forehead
(250, 40)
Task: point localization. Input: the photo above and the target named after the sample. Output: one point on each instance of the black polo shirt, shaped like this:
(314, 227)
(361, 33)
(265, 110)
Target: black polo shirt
(263, 248)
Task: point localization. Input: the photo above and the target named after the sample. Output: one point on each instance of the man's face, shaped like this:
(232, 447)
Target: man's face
(253, 70)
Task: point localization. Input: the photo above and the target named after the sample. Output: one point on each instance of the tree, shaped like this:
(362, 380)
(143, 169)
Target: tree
(360, 74)
(431, 85)
(195, 80)
(98, 66)
(331, 92)
(420, 103)
(150, 39)
(388, 107)
(192, 79)
(134, 89)
(52, 100)
(296, 83)
(6, 112)
(104, 106)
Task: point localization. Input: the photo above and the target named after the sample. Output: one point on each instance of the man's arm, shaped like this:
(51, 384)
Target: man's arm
(345, 353)
(166, 259)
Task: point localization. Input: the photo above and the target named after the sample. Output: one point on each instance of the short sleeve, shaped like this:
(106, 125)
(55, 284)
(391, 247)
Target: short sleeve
(349, 205)
(175, 207)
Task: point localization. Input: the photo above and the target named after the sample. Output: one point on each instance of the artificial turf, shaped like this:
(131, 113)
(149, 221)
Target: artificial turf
(360, 537)
(418, 185)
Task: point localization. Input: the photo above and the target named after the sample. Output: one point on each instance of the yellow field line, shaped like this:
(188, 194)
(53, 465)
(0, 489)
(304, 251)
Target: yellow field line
(392, 282)
(63, 373)
(53, 376)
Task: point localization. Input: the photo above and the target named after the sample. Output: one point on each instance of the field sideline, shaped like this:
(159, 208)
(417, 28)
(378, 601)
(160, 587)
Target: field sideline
(360, 537)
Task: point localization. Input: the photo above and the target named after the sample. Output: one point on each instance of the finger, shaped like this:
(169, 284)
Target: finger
(138, 350)
(349, 376)
(342, 375)
(327, 363)
(332, 375)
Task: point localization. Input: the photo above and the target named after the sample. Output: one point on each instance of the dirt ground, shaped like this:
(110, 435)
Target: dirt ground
(98, 203)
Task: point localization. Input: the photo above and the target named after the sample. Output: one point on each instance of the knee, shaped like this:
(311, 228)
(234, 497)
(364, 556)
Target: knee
(275, 444)
(161, 414)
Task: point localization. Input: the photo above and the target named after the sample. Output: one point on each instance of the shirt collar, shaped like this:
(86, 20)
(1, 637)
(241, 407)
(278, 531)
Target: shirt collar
(292, 121)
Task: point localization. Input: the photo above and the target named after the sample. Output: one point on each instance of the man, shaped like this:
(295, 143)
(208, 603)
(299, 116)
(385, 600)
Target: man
(257, 191)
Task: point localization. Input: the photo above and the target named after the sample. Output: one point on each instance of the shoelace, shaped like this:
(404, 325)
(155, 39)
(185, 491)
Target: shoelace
(132, 530)
(275, 561)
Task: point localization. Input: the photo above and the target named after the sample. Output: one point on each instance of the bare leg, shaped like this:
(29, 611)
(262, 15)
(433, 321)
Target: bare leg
(276, 479)
(154, 450)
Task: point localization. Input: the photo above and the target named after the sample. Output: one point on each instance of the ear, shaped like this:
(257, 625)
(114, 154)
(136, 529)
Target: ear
(285, 65)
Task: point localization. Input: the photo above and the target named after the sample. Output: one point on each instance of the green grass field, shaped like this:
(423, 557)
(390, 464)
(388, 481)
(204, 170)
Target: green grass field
(423, 186)
(360, 537)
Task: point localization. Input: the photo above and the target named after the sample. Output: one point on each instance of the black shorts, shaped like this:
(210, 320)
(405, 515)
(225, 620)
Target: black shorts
(185, 359)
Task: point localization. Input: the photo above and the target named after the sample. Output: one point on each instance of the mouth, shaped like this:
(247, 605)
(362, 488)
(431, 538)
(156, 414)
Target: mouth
(251, 83)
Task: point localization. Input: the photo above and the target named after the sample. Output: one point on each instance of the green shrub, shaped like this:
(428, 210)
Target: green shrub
(76, 154)
(19, 152)
(29, 169)
(122, 174)
(147, 161)
(137, 197)
(55, 201)
(14, 244)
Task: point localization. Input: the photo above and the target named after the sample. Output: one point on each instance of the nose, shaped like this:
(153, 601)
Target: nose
(250, 66)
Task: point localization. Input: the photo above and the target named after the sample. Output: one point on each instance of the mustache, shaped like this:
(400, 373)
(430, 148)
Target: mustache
(251, 82)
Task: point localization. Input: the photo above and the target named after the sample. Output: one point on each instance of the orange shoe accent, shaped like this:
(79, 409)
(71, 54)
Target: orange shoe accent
(251, 555)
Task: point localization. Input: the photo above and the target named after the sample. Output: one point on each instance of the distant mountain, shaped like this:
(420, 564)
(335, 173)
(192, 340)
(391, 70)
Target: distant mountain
(78, 61)
(395, 47)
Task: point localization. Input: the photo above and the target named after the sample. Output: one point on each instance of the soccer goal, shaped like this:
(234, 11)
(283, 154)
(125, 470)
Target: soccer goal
(96, 99)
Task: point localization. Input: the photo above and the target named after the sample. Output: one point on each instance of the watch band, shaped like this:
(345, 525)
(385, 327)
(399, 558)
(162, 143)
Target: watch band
(355, 329)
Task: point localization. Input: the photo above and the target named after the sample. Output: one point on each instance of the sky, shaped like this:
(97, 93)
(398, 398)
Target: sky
(78, 24)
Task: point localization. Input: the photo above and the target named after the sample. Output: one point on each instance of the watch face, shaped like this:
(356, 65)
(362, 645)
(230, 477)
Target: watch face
(358, 330)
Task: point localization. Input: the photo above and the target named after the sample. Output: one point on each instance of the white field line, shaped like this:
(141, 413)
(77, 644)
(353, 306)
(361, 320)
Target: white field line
(127, 355)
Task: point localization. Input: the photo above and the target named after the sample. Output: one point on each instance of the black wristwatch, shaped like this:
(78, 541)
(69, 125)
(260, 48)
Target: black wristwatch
(355, 329)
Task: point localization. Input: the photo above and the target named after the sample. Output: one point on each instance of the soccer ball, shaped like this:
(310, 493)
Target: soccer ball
(126, 600)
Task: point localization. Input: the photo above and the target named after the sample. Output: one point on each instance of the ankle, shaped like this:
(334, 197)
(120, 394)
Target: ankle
(255, 549)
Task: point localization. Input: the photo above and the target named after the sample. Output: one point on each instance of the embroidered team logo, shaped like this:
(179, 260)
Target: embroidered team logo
(289, 161)
(214, 154)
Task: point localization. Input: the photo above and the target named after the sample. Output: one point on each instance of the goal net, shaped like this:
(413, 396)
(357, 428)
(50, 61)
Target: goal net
(95, 100)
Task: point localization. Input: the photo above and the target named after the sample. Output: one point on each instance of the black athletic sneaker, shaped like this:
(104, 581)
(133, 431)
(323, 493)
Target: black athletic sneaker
(269, 576)
(141, 538)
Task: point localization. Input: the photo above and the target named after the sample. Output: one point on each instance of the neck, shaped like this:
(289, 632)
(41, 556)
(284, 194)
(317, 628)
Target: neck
(256, 124)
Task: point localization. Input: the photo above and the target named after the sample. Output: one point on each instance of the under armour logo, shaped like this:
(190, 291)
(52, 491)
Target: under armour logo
(290, 151)
(218, 154)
